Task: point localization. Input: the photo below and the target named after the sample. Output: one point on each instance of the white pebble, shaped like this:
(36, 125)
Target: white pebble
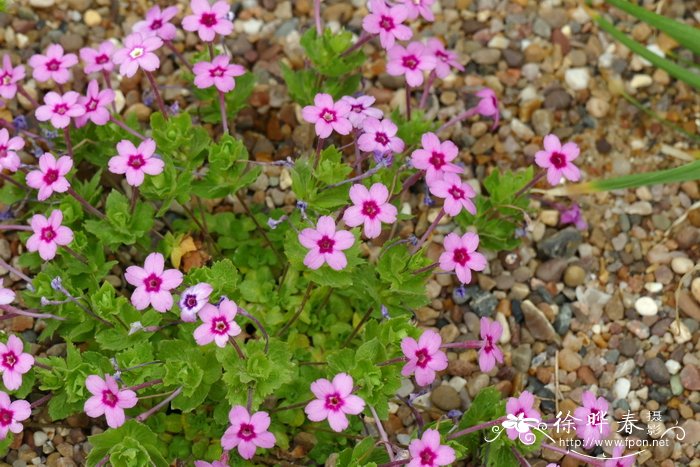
(654, 287)
(577, 78)
(682, 265)
(641, 81)
(458, 383)
(646, 306)
(40, 438)
(673, 366)
(622, 388)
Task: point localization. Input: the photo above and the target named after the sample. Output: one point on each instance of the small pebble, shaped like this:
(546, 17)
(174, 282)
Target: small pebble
(682, 265)
(646, 306)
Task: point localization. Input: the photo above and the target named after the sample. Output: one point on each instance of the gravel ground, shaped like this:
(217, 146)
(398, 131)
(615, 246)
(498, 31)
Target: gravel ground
(581, 309)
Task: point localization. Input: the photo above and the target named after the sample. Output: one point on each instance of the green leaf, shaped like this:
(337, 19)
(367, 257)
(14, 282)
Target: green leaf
(131, 444)
(121, 226)
(325, 52)
(410, 131)
(301, 84)
(228, 171)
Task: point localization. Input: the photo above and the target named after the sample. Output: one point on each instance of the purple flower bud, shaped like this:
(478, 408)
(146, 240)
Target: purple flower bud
(302, 205)
(20, 122)
(135, 327)
(454, 413)
(413, 240)
(385, 312)
(274, 223)
(49, 134)
(57, 283)
(175, 108)
(148, 98)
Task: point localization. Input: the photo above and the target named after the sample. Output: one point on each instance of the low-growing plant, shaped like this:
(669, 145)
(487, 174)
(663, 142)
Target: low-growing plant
(283, 320)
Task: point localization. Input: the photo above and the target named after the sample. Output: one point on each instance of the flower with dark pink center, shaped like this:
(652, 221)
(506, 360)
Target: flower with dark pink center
(360, 109)
(95, 103)
(460, 256)
(219, 72)
(488, 105)
(387, 21)
(11, 414)
(334, 401)
(8, 146)
(136, 162)
(489, 352)
(557, 159)
(428, 452)
(522, 417)
(14, 362)
(218, 323)
(326, 245)
(435, 157)
(591, 420)
(138, 52)
(410, 62)
(48, 234)
(157, 23)
(456, 193)
(328, 116)
(380, 137)
(208, 20)
(424, 357)
(371, 208)
(247, 432)
(51, 176)
(153, 283)
(9, 76)
(108, 400)
(54, 65)
(445, 59)
(59, 109)
(419, 7)
(98, 60)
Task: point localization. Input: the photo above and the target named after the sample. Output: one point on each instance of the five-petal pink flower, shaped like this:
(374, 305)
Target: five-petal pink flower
(590, 420)
(557, 159)
(208, 20)
(424, 357)
(108, 400)
(488, 105)
(457, 193)
(11, 414)
(371, 208)
(59, 109)
(334, 401)
(135, 162)
(48, 234)
(98, 60)
(54, 65)
(219, 72)
(410, 62)
(218, 323)
(9, 76)
(247, 432)
(360, 109)
(328, 116)
(94, 104)
(380, 137)
(489, 352)
(428, 452)
(14, 362)
(326, 245)
(435, 157)
(153, 283)
(460, 256)
(8, 146)
(520, 410)
(138, 52)
(157, 23)
(419, 7)
(386, 21)
(445, 59)
(51, 175)
(193, 299)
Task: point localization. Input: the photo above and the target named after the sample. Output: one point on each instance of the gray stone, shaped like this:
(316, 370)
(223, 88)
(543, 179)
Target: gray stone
(537, 323)
(484, 304)
(657, 371)
(562, 244)
(486, 56)
(563, 319)
(445, 397)
(551, 270)
(542, 121)
(521, 358)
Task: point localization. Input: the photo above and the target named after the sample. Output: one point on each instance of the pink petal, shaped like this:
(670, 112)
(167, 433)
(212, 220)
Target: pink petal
(140, 298)
(338, 421)
(343, 240)
(115, 417)
(343, 383)
(353, 404)
(337, 260)
(265, 440)
(359, 193)
(261, 421)
(552, 143)
(316, 410)
(154, 263)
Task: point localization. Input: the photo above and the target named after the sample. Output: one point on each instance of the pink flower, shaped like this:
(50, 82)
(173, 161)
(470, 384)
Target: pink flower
(489, 353)
(14, 362)
(371, 208)
(153, 283)
(488, 105)
(48, 234)
(108, 400)
(590, 421)
(193, 299)
(435, 157)
(208, 20)
(219, 324)
(360, 109)
(524, 416)
(135, 162)
(457, 194)
(59, 109)
(247, 432)
(444, 59)
(7, 296)
(138, 52)
(619, 459)
(334, 400)
(460, 255)
(328, 115)
(424, 357)
(428, 452)
(557, 160)
(157, 23)
(217, 73)
(212, 464)
(380, 136)
(8, 157)
(51, 175)
(411, 62)
(9, 76)
(54, 65)
(95, 104)
(98, 60)
(419, 7)
(11, 414)
(326, 245)
(386, 21)
(573, 215)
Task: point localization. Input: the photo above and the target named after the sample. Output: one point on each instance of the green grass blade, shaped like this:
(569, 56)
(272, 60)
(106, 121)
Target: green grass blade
(684, 173)
(670, 67)
(687, 36)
